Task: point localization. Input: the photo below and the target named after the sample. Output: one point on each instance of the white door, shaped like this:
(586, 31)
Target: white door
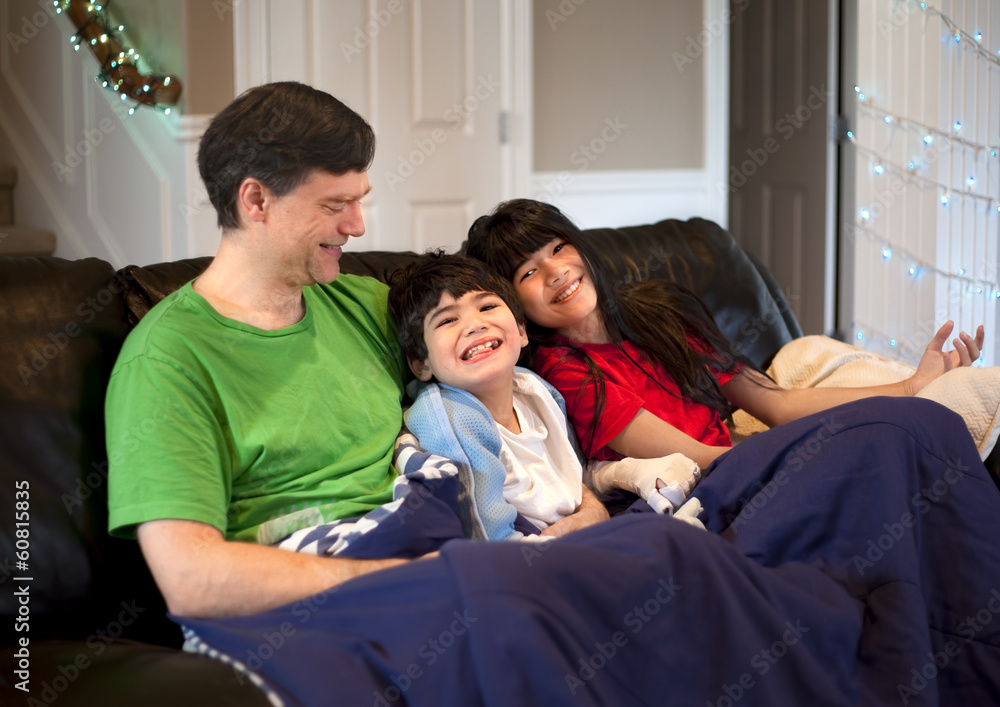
(438, 165)
(426, 74)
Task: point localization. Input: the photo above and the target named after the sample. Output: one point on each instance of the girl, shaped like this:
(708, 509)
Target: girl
(643, 367)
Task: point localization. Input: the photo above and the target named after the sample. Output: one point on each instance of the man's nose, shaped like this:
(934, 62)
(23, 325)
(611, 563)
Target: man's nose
(354, 221)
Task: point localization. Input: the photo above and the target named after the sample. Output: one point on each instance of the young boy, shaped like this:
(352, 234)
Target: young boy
(462, 326)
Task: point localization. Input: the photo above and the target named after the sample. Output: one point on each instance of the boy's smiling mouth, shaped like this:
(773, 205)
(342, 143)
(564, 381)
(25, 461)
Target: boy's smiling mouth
(481, 349)
(568, 291)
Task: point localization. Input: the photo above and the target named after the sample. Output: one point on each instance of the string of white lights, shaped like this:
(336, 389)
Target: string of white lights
(868, 333)
(928, 133)
(907, 347)
(919, 266)
(972, 40)
(122, 68)
(880, 166)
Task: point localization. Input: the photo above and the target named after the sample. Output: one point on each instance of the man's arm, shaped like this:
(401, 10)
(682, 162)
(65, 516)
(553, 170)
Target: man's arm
(202, 575)
(591, 511)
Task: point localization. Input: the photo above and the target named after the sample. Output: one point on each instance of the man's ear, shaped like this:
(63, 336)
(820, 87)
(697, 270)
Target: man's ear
(524, 335)
(420, 368)
(252, 198)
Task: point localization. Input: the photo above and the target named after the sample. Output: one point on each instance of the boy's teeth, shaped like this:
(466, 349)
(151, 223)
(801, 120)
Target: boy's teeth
(476, 349)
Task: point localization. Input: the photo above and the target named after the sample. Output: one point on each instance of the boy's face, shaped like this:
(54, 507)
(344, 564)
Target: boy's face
(472, 343)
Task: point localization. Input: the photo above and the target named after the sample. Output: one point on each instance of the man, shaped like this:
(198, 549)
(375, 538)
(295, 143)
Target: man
(265, 398)
(232, 412)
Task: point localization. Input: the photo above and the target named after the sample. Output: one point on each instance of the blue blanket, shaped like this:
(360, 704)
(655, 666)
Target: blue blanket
(853, 560)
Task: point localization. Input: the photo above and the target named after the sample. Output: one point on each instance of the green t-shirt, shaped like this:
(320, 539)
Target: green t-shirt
(257, 433)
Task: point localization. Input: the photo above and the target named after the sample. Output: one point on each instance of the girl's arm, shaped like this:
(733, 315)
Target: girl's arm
(648, 436)
(774, 405)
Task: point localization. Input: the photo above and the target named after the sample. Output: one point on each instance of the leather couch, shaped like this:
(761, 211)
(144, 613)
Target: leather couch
(85, 604)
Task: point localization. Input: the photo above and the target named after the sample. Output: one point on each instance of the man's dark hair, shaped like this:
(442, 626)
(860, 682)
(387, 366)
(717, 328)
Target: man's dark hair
(279, 133)
(416, 289)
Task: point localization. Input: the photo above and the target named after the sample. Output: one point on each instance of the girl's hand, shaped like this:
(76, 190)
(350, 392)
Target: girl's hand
(935, 361)
(967, 349)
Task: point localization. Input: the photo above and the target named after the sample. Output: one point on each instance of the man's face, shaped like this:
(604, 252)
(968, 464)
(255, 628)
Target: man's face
(307, 226)
(473, 343)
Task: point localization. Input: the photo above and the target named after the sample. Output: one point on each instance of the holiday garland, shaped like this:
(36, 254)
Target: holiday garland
(120, 69)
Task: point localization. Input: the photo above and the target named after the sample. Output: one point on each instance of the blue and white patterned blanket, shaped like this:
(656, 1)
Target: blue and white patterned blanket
(419, 519)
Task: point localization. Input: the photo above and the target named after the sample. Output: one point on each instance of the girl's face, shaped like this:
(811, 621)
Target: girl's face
(557, 293)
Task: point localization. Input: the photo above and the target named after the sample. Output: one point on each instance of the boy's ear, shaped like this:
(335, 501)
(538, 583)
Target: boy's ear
(524, 335)
(420, 369)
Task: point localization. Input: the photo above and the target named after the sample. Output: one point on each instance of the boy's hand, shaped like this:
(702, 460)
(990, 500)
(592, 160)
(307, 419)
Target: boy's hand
(590, 512)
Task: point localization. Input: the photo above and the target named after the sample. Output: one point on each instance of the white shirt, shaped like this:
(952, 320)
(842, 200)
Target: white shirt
(544, 477)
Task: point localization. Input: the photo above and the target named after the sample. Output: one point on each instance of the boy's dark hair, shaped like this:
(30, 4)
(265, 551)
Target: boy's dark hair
(417, 288)
(658, 316)
(279, 133)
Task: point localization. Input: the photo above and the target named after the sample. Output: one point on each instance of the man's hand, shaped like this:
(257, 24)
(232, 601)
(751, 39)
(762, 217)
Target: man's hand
(590, 512)
(935, 361)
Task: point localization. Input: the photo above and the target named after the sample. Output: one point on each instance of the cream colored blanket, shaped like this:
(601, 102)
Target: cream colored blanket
(822, 362)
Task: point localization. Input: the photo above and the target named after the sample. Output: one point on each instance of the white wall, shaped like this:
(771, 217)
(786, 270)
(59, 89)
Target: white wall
(684, 126)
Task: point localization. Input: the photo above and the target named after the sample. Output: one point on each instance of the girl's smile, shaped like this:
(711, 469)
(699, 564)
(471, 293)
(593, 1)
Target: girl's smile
(557, 293)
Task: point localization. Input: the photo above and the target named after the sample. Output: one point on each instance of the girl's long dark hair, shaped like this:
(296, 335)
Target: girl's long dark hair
(657, 316)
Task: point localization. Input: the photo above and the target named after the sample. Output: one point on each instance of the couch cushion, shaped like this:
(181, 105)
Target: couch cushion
(25, 240)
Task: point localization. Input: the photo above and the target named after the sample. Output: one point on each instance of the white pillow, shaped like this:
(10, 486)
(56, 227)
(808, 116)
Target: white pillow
(822, 362)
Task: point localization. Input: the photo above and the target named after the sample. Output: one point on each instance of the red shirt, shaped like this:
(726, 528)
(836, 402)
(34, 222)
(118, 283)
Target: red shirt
(628, 390)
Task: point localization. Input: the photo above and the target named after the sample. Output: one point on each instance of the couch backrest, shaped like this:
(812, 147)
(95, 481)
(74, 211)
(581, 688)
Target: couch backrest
(741, 293)
(62, 324)
(746, 301)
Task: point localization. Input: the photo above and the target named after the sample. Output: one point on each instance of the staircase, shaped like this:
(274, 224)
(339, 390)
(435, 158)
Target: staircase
(19, 240)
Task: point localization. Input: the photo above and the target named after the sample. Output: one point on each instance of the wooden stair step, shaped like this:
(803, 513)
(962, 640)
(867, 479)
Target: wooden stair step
(25, 240)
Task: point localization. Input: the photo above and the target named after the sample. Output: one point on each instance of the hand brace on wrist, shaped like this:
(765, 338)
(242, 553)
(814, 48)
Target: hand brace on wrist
(678, 473)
